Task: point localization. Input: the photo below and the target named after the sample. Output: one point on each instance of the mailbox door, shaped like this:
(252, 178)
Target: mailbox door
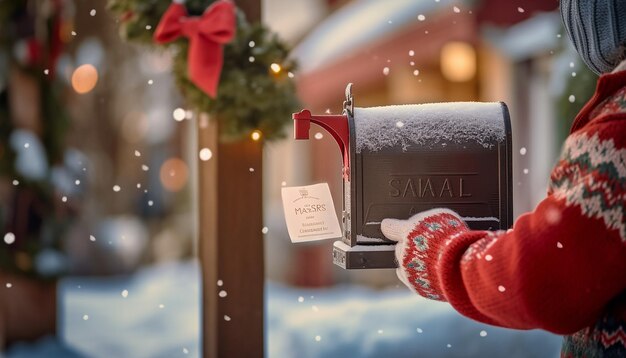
(399, 184)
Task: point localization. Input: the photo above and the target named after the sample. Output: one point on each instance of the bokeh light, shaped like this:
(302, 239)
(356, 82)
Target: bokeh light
(458, 61)
(84, 78)
(174, 174)
(275, 67)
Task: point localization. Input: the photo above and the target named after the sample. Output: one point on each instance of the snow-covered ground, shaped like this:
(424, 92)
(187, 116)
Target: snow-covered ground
(155, 313)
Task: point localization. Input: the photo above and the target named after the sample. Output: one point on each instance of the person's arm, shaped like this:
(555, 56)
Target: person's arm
(556, 269)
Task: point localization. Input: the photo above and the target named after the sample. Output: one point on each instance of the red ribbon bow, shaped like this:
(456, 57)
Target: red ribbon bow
(206, 35)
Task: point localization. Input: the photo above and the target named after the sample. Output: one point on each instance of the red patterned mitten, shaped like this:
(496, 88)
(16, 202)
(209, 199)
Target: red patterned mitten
(421, 239)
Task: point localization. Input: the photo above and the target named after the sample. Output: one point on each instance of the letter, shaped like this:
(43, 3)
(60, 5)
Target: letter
(409, 184)
(323, 207)
(461, 194)
(298, 211)
(446, 187)
(429, 185)
(396, 192)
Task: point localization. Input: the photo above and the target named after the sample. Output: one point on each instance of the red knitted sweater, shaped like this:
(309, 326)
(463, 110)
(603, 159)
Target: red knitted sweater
(562, 267)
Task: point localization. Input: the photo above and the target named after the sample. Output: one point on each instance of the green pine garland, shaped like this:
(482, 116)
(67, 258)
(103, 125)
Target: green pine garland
(250, 95)
(46, 224)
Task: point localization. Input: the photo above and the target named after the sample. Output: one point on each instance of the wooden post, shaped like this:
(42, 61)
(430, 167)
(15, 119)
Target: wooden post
(231, 243)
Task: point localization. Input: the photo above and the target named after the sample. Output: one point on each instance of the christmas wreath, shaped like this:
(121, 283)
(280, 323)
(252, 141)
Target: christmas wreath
(255, 92)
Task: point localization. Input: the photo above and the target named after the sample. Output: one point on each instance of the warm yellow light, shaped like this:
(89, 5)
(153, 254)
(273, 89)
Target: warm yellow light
(256, 135)
(84, 78)
(458, 61)
(174, 174)
(275, 67)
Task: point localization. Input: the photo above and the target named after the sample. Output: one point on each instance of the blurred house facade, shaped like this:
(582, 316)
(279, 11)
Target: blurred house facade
(404, 51)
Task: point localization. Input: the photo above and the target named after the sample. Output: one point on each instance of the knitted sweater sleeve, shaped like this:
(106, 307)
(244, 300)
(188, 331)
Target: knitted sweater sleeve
(559, 265)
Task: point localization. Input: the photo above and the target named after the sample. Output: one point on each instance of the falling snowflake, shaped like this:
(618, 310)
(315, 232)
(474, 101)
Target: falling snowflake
(26, 145)
(222, 294)
(64, 199)
(319, 135)
(124, 293)
(380, 331)
(573, 74)
(318, 338)
(251, 58)
(46, 71)
(251, 44)
(419, 330)
(525, 170)
(178, 114)
(9, 285)
(386, 71)
(161, 306)
(421, 17)
(456, 9)
(572, 98)
(92, 12)
(449, 345)
(559, 245)
(501, 288)
(488, 257)
(185, 351)
(300, 299)
(16, 182)
(85, 317)
(77, 182)
(283, 183)
(226, 318)
(265, 230)
(483, 333)
(150, 82)
(520, 10)
(251, 169)
(290, 75)
(571, 65)
(522, 151)
(205, 154)
(92, 238)
(137, 153)
(73, 33)
(144, 168)
(9, 238)
(116, 188)
(416, 72)
(399, 124)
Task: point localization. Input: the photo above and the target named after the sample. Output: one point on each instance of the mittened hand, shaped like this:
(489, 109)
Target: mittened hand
(420, 241)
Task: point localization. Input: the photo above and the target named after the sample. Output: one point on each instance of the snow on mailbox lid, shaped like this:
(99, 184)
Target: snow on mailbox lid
(401, 160)
(429, 124)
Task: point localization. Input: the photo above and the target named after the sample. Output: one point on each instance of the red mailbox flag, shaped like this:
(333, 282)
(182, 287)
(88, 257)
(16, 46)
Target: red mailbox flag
(206, 34)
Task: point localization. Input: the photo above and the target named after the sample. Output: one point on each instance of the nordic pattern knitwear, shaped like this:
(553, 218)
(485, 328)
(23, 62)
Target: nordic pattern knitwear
(562, 267)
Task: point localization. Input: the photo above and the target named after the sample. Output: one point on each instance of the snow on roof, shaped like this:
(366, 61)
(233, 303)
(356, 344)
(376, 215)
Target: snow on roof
(427, 124)
(358, 23)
